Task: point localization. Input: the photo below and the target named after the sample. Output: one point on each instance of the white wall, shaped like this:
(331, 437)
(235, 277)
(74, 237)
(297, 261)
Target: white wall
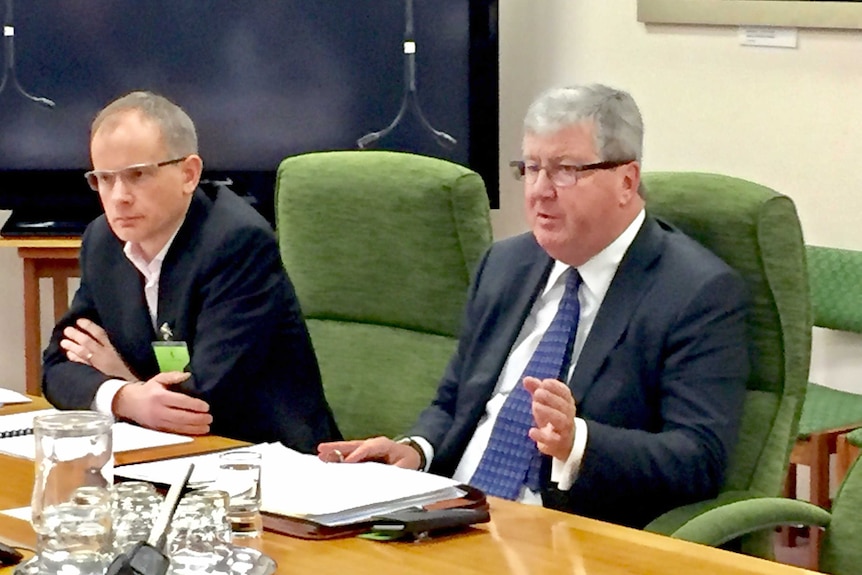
(786, 118)
(789, 119)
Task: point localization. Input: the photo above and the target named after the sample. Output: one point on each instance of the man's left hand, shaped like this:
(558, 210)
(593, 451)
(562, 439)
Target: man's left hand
(554, 412)
(87, 343)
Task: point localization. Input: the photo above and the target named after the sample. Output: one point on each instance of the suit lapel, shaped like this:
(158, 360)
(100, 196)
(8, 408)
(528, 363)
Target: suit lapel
(623, 297)
(528, 277)
(133, 321)
(172, 308)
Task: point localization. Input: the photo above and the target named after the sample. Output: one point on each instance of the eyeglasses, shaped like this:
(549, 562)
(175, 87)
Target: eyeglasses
(561, 175)
(131, 176)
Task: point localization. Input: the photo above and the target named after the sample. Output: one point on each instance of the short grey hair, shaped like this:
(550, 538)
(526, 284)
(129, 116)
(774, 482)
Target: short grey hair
(618, 124)
(177, 129)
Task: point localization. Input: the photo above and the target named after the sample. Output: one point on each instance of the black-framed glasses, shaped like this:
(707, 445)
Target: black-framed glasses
(561, 175)
(131, 176)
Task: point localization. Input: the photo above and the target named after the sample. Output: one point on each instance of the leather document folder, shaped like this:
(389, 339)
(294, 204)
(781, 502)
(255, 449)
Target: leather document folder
(413, 519)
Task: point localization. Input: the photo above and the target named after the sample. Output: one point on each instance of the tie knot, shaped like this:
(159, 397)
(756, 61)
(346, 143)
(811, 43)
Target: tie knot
(573, 282)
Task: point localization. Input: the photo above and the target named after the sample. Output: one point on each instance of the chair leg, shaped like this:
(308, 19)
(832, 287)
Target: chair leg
(845, 455)
(820, 470)
(788, 533)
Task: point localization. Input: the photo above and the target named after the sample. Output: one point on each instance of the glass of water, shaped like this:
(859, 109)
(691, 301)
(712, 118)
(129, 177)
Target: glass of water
(71, 502)
(239, 476)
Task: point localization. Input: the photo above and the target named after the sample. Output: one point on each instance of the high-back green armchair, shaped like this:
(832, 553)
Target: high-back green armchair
(756, 231)
(380, 247)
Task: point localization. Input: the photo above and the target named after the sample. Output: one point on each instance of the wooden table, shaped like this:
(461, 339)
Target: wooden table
(519, 540)
(53, 258)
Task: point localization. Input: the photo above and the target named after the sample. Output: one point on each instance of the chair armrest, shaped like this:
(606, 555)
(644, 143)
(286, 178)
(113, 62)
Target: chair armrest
(734, 514)
(719, 525)
(855, 438)
(670, 522)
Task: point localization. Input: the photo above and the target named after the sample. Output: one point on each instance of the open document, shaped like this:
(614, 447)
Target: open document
(9, 396)
(298, 485)
(16, 435)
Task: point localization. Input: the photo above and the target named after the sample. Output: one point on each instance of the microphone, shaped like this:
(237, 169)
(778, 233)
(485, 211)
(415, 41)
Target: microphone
(410, 99)
(149, 558)
(9, 68)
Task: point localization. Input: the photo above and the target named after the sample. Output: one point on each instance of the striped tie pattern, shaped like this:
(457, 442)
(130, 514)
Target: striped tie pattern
(511, 458)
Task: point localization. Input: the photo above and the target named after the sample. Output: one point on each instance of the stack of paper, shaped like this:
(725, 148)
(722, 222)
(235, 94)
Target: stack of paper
(298, 485)
(126, 436)
(9, 396)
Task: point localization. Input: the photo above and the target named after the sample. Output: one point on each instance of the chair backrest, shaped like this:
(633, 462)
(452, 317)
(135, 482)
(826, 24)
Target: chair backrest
(835, 277)
(757, 232)
(380, 247)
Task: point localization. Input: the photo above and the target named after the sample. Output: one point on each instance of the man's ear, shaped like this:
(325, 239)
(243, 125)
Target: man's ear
(192, 167)
(631, 181)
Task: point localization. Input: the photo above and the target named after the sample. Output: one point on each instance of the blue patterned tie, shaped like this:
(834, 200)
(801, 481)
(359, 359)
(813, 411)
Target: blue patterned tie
(512, 459)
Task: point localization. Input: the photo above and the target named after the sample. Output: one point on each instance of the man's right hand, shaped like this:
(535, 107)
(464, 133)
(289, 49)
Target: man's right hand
(151, 404)
(380, 449)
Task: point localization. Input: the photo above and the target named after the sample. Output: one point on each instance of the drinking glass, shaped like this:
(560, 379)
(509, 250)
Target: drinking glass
(135, 507)
(200, 521)
(71, 502)
(239, 476)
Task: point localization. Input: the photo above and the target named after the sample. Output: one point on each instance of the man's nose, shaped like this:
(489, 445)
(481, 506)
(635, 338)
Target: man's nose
(118, 191)
(544, 186)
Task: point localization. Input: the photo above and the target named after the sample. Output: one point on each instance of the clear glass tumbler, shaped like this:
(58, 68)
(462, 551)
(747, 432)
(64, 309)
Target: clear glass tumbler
(135, 506)
(71, 502)
(239, 476)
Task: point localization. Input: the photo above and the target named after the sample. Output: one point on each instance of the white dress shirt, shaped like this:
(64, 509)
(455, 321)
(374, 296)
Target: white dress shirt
(152, 272)
(596, 275)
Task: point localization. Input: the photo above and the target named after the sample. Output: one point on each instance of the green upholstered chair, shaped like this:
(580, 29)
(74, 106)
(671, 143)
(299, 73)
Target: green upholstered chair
(835, 279)
(840, 552)
(380, 247)
(756, 231)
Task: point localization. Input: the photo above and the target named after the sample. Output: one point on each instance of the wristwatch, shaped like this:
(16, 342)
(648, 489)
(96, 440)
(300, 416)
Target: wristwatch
(409, 441)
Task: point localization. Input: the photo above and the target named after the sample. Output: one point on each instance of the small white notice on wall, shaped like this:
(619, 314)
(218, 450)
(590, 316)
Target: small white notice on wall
(768, 36)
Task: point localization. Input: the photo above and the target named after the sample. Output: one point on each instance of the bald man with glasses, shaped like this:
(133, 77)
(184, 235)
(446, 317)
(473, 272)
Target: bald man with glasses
(191, 271)
(603, 358)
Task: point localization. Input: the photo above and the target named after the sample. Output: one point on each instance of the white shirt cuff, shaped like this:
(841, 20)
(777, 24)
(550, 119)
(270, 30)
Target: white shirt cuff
(564, 473)
(427, 449)
(104, 399)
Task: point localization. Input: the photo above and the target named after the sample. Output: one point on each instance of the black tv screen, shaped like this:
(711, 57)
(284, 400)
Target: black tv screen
(262, 79)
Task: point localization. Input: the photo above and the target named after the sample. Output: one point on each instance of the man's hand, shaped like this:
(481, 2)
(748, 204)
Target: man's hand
(88, 343)
(381, 449)
(554, 412)
(153, 405)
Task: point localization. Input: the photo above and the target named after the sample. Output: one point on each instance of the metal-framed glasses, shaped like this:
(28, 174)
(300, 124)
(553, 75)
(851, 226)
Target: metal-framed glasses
(561, 175)
(131, 176)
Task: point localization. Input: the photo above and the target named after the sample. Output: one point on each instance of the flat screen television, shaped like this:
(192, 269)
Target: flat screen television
(262, 79)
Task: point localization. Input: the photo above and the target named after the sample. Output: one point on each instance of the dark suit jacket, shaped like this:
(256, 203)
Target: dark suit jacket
(224, 291)
(660, 381)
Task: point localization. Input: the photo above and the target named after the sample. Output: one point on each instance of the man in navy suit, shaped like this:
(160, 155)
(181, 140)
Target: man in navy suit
(645, 417)
(195, 265)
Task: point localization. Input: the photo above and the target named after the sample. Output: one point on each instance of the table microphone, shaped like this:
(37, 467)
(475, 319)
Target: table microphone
(410, 99)
(148, 557)
(9, 66)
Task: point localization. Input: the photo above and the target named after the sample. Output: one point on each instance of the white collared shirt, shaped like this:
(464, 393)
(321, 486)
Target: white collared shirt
(152, 272)
(597, 274)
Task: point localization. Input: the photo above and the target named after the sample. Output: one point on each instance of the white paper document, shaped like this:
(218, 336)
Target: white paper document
(9, 396)
(299, 485)
(127, 436)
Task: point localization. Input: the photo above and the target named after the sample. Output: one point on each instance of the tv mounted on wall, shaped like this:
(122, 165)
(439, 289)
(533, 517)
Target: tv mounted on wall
(262, 79)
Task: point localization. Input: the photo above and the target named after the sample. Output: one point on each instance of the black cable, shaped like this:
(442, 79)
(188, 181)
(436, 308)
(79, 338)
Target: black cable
(9, 68)
(410, 99)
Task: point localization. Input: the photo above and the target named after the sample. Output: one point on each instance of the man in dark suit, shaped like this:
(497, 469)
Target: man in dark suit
(641, 411)
(194, 265)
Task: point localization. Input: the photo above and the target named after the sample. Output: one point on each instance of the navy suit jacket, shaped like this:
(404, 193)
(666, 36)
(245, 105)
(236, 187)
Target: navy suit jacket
(224, 291)
(660, 381)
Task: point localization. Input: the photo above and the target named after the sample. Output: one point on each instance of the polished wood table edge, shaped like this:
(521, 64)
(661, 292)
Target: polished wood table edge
(41, 242)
